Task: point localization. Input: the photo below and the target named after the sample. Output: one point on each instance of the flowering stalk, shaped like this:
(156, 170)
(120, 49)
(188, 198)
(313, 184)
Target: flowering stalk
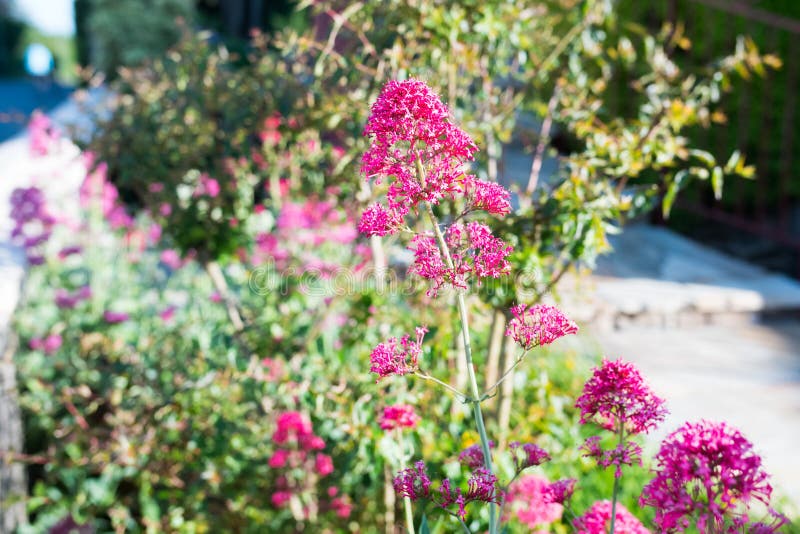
(406, 500)
(615, 491)
(473, 382)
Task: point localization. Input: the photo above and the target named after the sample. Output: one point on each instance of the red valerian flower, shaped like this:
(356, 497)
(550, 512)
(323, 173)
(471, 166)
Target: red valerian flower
(397, 358)
(617, 394)
(413, 482)
(398, 416)
(538, 325)
(708, 474)
(597, 520)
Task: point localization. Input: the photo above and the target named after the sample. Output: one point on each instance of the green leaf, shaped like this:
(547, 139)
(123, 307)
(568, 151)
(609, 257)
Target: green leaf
(423, 525)
(672, 192)
(733, 162)
(704, 156)
(717, 178)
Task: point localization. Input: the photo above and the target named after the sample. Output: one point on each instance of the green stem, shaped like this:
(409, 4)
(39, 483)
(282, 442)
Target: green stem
(409, 515)
(404, 456)
(473, 382)
(615, 491)
(451, 389)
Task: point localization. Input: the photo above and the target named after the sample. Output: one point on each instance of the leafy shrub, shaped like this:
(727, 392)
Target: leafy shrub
(124, 33)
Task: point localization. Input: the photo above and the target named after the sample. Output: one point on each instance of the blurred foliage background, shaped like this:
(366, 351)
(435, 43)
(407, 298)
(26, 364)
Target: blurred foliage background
(235, 158)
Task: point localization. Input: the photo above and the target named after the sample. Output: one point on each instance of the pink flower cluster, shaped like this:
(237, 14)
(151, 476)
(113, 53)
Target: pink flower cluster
(32, 222)
(625, 453)
(398, 416)
(707, 475)
(48, 345)
(474, 252)
(472, 456)
(410, 129)
(43, 135)
(415, 484)
(393, 358)
(538, 325)
(616, 394)
(526, 497)
(414, 142)
(300, 229)
(560, 491)
(617, 398)
(296, 445)
(69, 299)
(527, 455)
(597, 520)
(97, 192)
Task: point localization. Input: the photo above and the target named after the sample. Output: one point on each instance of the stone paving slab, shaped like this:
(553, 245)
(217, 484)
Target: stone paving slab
(655, 276)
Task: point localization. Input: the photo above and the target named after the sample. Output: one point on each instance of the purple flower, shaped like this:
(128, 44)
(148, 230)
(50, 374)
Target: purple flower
(472, 456)
(69, 251)
(482, 486)
(113, 317)
(527, 455)
(708, 474)
(626, 453)
(413, 482)
(560, 491)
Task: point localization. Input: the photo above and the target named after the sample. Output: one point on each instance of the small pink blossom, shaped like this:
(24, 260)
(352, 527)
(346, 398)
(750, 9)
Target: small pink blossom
(280, 498)
(560, 491)
(393, 358)
(323, 465)
(171, 259)
(527, 455)
(291, 425)
(51, 343)
(597, 520)
(43, 135)
(341, 507)
(526, 497)
(488, 196)
(113, 317)
(279, 458)
(207, 186)
(538, 325)
(377, 220)
(625, 453)
(472, 456)
(413, 482)
(398, 416)
(167, 314)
